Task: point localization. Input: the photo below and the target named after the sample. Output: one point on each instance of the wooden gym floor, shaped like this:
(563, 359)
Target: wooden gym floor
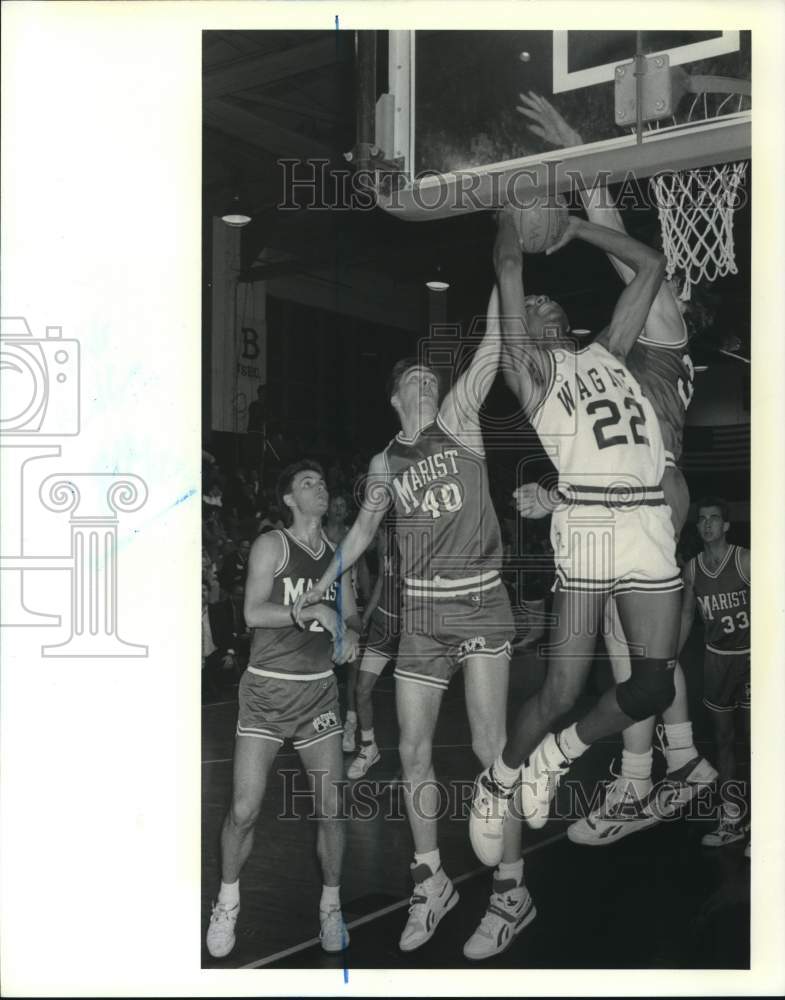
(656, 899)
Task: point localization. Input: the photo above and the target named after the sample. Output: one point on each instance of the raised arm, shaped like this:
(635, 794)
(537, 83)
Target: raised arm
(635, 301)
(664, 323)
(524, 365)
(359, 536)
(460, 411)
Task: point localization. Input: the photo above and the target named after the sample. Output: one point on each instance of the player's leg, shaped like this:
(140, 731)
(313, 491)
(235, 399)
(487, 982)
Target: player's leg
(650, 621)
(721, 695)
(510, 907)
(417, 706)
(373, 663)
(577, 615)
(623, 807)
(570, 653)
(323, 761)
(253, 758)
(731, 826)
(350, 722)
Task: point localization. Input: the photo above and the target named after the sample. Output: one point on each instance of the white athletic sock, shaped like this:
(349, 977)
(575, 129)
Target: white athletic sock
(351, 717)
(636, 768)
(679, 747)
(512, 870)
(570, 744)
(431, 858)
(229, 893)
(367, 736)
(331, 898)
(505, 777)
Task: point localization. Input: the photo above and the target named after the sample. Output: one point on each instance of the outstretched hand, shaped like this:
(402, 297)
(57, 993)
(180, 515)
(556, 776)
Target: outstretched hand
(533, 501)
(548, 124)
(310, 597)
(346, 644)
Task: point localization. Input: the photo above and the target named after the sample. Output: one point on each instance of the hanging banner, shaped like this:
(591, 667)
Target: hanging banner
(239, 335)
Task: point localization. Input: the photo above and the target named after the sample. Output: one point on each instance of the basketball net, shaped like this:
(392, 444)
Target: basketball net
(696, 206)
(695, 209)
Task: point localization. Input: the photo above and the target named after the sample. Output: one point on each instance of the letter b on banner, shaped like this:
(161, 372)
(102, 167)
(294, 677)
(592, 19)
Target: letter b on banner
(251, 349)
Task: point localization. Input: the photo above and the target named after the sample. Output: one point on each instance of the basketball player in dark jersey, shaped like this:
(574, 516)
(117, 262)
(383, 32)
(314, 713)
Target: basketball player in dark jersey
(660, 361)
(718, 581)
(288, 691)
(383, 618)
(455, 614)
(601, 431)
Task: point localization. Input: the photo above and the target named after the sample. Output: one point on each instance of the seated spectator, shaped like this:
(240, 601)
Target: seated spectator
(210, 578)
(234, 565)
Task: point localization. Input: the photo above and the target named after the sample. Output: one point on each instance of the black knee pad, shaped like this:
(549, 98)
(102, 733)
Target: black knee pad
(649, 690)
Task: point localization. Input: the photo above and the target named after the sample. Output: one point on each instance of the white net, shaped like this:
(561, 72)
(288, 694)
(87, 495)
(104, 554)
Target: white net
(696, 219)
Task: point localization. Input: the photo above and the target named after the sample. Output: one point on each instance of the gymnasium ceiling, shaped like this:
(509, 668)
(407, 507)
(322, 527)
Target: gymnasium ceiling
(270, 95)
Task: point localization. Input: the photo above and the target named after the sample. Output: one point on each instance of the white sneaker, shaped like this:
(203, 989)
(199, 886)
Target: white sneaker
(727, 832)
(540, 779)
(433, 896)
(680, 787)
(333, 935)
(220, 933)
(618, 815)
(486, 818)
(364, 761)
(510, 910)
(349, 735)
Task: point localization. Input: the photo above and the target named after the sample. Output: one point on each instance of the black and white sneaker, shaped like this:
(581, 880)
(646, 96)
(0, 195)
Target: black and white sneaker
(618, 815)
(510, 909)
(433, 896)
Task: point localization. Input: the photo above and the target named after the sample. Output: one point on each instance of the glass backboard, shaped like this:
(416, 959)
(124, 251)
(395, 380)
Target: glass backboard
(456, 94)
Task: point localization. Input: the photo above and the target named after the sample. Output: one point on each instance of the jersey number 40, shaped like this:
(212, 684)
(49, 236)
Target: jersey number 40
(442, 498)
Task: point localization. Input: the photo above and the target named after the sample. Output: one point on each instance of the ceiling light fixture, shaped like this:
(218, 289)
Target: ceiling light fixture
(236, 216)
(438, 283)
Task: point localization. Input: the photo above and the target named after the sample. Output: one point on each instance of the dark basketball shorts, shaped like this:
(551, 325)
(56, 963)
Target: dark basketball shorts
(677, 497)
(275, 709)
(726, 681)
(439, 634)
(384, 633)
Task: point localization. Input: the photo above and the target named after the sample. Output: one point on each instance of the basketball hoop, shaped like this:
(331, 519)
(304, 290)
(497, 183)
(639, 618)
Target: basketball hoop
(696, 207)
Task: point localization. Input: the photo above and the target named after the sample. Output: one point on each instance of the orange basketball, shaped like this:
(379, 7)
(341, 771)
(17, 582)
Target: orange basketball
(539, 227)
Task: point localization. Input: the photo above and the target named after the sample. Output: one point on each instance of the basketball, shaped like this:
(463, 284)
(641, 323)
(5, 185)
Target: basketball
(540, 226)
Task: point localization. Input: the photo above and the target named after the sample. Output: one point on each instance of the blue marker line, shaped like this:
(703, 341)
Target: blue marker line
(185, 496)
(337, 24)
(339, 601)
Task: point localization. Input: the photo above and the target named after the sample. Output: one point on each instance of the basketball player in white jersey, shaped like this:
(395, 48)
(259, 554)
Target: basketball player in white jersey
(288, 691)
(612, 533)
(659, 359)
